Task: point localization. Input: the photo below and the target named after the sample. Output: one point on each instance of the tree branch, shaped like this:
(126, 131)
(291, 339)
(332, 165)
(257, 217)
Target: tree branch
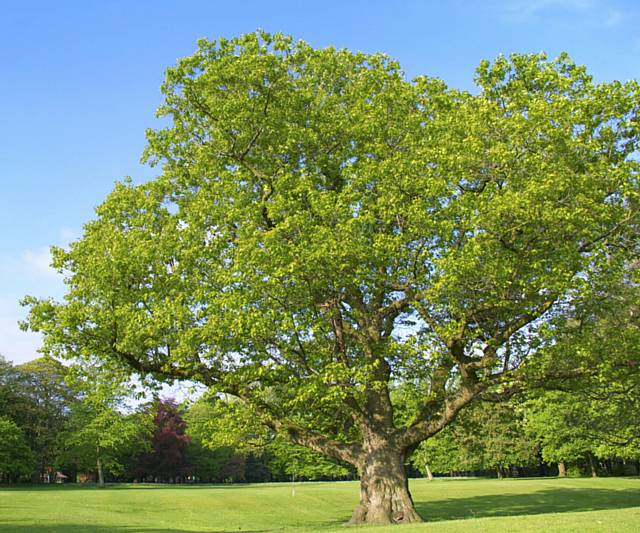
(424, 428)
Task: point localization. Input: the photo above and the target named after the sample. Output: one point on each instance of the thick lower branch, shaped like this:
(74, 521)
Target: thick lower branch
(427, 426)
(335, 449)
(341, 451)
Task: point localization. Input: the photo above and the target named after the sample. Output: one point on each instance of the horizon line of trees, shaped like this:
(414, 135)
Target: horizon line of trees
(59, 427)
(66, 424)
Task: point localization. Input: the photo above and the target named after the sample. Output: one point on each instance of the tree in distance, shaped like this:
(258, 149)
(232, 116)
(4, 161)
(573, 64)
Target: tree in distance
(595, 416)
(16, 458)
(484, 437)
(40, 405)
(322, 230)
(97, 431)
(166, 459)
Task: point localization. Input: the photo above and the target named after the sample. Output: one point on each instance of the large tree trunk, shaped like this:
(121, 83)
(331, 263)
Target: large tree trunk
(384, 489)
(562, 469)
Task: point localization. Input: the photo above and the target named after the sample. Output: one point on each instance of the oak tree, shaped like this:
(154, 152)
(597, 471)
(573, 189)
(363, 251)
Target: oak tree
(322, 229)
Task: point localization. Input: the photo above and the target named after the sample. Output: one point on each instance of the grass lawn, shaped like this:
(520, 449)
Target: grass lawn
(448, 505)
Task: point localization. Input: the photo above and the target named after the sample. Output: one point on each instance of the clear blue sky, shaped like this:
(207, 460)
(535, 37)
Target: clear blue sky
(80, 82)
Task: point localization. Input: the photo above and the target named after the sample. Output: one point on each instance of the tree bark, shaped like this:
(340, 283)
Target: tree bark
(562, 469)
(429, 473)
(384, 488)
(100, 473)
(592, 464)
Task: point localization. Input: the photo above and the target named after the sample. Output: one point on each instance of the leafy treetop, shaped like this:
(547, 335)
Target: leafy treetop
(322, 228)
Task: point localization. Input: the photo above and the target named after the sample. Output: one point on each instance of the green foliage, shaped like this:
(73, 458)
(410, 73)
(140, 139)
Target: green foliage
(562, 425)
(9, 396)
(101, 433)
(312, 204)
(40, 400)
(443, 454)
(98, 433)
(571, 425)
(208, 465)
(598, 413)
(225, 423)
(16, 458)
(222, 428)
(221, 435)
(484, 437)
(296, 462)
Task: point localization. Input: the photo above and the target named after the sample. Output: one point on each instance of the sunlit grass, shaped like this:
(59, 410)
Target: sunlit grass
(447, 505)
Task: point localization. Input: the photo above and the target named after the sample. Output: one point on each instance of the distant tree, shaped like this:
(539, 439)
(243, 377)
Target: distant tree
(596, 415)
(562, 426)
(287, 460)
(257, 468)
(586, 423)
(495, 433)
(487, 436)
(223, 422)
(16, 458)
(617, 427)
(606, 337)
(207, 461)
(12, 404)
(98, 430)
(441, 454)
(97, 435)
(226, 428)
(43, 406)
(208, 465)
(313, 203)
(167, 459)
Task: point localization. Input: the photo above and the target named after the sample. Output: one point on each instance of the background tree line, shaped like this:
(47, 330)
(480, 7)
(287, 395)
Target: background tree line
(63, 424)
(58, 423)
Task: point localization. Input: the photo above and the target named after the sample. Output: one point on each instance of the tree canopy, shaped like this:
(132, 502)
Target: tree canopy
(98, 431)
(322, 229)
(16, 458)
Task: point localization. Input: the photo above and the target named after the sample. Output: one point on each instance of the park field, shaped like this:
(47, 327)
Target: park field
(543, 504)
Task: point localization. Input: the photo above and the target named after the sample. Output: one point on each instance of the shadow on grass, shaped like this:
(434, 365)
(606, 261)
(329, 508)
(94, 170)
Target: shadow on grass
(561, 500)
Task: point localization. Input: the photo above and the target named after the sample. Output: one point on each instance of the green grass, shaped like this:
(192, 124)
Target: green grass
(448, 505)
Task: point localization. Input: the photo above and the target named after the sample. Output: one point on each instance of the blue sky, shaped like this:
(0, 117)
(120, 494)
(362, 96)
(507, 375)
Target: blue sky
(80, 83)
